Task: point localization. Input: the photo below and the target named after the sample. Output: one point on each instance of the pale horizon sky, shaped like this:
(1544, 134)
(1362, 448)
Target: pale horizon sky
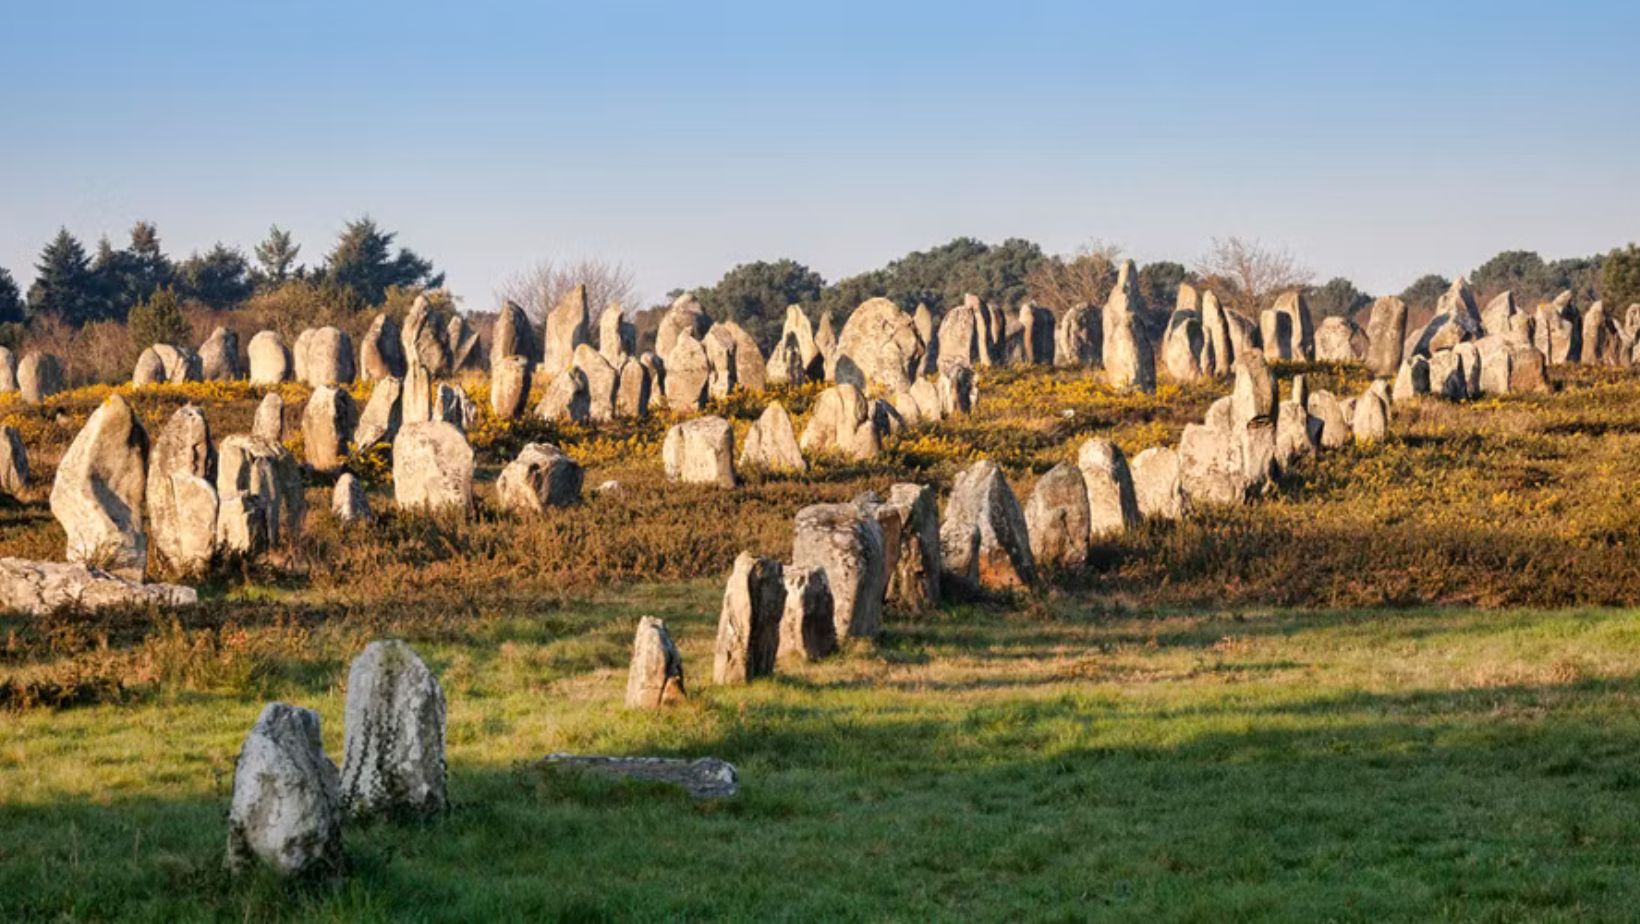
(1374, 143)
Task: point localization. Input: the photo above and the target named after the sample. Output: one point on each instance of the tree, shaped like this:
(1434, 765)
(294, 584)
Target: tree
(157, 319)
(11, 300)
(1338, 298)
(1083, 278)
(941, 276)
(755, 296)
(64, 285)
(539, 288)
(1248, 275)
(363, 265)
(1578, 275)
(126, 277)
(1620, 279)
(1423, 294)
(1159, 287)
(218, 278)
(1520, 272)
(276, 259)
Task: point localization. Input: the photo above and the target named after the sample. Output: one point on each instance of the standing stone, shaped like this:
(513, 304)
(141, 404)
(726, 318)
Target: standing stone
(382, 416)
(1256, 392)
(617, 337)
(416, 394)
(602, 382)
(393, 758)
(269, 359)
(423, 340)
(1528, 370)
(825, 340)
(566, 328)
(1297, 434)
(1336, 431)
(1275, 331)
(327, 357)
(720, 362)
(509, 386)
(432, 467)
(785, 365)
(841, 422)
(1386, 334)
(1456, 320)
(1469, 366)
(1079, 337)
(1156, 487)
(1339, 340)
(1212, 469)
(568, 398)
(879, 347)
(39, 376)
(181, 499)
(1057, 520)
(1183, 348)
(1494, 350)
(541, 477)
(684, 317)
(512, 335)
(1301, 391)
(327, 428)
(219, 356)
(656, 676)
(1113, 506)
(1370, 422)
(98, 492)
(961, 337)
(748, 637)
(8, 370)
(1412, 380)
(1495, 317)
(799, 333)
(984, 540)
(688, 373)
(381, 352)
(807, 629)
(287, 800)
(914, 579)
(1602, 344)
(634, 388)
(149, 370)
(348, 502)
(848, 546)
(1297, 310)
(466, 349)
(1446, 376)
(771, 443)
(1127, 356)
(957, 390)
(1216, 335)
(451, 405)
(265, 470)
(700, 451)
(1037, 334)
(13, 463)
(736, 360)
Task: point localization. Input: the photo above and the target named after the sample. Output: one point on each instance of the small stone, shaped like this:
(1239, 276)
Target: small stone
(348, 501)
(656, 675)
(287, 802)
(541, 477)
(13, 462)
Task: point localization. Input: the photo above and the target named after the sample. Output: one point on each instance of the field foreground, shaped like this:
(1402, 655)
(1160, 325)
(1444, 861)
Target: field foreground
(1384, 692)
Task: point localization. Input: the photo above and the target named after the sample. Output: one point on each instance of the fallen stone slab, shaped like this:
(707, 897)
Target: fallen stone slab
(702, 778)
(39, 587)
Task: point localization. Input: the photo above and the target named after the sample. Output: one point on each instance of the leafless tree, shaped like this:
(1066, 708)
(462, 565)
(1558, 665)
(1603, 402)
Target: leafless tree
(1085, 277)
(1248, 274)
(539, 288)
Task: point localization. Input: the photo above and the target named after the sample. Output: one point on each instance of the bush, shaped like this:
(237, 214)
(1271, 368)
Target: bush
(157, 319)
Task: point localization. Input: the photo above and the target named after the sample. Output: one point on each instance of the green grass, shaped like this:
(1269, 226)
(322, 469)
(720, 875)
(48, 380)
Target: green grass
(1053, 761)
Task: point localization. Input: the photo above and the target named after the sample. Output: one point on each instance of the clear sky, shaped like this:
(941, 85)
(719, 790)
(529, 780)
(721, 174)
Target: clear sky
(1377, 140)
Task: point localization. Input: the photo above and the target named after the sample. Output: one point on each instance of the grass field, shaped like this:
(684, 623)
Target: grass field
(1403, 688)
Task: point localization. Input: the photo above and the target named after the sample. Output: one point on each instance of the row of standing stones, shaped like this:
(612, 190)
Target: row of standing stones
(850, 562)
(206, 503)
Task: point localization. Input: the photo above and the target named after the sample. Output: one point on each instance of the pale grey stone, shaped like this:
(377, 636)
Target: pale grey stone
(700, 451)
(541, 477)
(848, 545)
(655, 678)
(97, 496)
(432, 467)
(287, 803)
(393, 758)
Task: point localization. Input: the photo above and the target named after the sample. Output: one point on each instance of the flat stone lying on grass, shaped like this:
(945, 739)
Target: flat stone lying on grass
(704, 778)
(656, 676)
(394, 755)
(287, 804)
(39, 587)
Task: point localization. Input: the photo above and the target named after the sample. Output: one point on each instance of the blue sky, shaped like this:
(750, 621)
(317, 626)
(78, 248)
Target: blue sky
(1377, 141)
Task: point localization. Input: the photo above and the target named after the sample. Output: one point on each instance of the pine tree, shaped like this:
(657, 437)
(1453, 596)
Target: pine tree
(64, 285)
(362, 266)
(219, 278)
(277, 256)
(157, 319)
(11, 300)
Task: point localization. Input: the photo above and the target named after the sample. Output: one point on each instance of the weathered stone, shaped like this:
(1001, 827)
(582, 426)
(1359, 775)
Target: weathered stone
(149, 370)
(785, 364)
(685, 317)
(1243, 337)
(327, 427)
(1602, 343)
(381, 352)
(566, 328)
(348, 501)
(720, 362)
(1446, 377)
(1370, 422)
(1293, 305)
(541, 477)
(848, 545)
(163, 363)
(1456, 320)
(512, 335)
(634, 386)
(568, 398)
(700, 451)
(879, 347)
(451, 405)
(602, 382)
(825, 340)
(958, 390)
(1216, 335)
(748, 636)
(327, 357)
(750, 372)
(269, 359)
(1386, 335)
(1558, 331)
(264, 470)
(287, 801)
(181, 500)
(1528, 370)
(99, 488)
(432, 467)
(1340, 340)
(466, 348)
(984, 540)
(706, 778)
(1301, 391)
(1297, 434)
(1496, 316)
(1256, 392)
(509, 386)
(1079, 337)
(393, 758)
(8, 370)
(771, 443)
(1412, 380)
(797, 334)
(13, 462)
(914, 579)
(382, 415)
(423, 340)
(39, 376)
(1494, 350)
(1126, 353)
(1057, 519)
(841, 422)
(688, 374)
(655, 678)
(1211, 470)
(1036, 334)
(219, 356)
(37, 588)
(1156, 487)
(617, 337)
(1112, 505)
(1182, 348)
(807, 629)
(1275, 331)
(416, 394)
(1336, 431)
(961, 338)
(1469, 365)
